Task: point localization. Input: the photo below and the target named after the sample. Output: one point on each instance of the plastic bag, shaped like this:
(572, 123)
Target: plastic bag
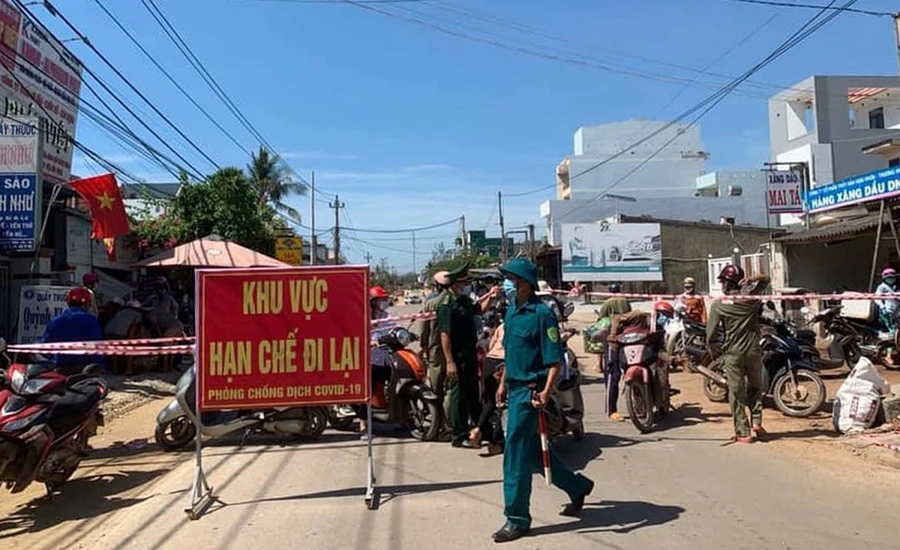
(858, 400)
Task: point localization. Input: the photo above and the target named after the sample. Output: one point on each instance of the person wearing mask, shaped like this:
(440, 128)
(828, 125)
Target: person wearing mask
(90, 281)
(887, 307)
(532, 354)
(430, 340)
(692, 303)
(741, 350)
(379, 303)
(612, 307)
(456, 328)
(122, 326)
(491, 373)
(75, 324)
(163, 317)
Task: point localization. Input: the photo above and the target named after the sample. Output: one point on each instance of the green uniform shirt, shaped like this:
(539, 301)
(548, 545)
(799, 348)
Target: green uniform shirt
(429, 338)
(456, 317)
(740, 320)
(531, 342)
(614, 306)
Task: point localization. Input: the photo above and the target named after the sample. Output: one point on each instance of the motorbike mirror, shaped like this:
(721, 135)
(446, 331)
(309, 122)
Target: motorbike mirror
(569, 309)
(771, 305)
(2, 345)
(92, 370)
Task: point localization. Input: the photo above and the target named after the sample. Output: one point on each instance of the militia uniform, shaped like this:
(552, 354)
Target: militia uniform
(430, 339)
(532, 346)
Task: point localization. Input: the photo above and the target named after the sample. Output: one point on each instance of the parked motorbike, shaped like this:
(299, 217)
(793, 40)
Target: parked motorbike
(406, 400)
(860, 339)
(646, 378)
(784, 377)
(176, 423)
(46, 420)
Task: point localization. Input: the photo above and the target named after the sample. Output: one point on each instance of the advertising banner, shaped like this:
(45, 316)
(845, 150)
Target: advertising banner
(37, 305)
(873, 186)
(42, 79)
(611, 252)
(282, 337)
(784, 192)
(20, 188)
(289, 250)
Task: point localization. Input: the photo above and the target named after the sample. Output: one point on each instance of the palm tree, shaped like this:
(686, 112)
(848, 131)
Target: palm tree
(273, 183)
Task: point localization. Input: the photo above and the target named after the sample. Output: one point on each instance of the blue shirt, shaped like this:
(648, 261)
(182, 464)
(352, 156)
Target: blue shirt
(531, 342)
(74, 325)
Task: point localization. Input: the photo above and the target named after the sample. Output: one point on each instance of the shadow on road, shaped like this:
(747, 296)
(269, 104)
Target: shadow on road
(612, 516)
(82, 498)
(578, 454)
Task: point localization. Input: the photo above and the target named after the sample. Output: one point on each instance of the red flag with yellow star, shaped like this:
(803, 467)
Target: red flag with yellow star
(107, 209)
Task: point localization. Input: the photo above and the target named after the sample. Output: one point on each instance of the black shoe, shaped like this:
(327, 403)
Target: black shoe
(510, 532)
(573, 509)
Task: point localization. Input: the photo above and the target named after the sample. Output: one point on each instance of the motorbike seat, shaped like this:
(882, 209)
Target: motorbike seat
(69, 410)
(694, 326)
(804, 334)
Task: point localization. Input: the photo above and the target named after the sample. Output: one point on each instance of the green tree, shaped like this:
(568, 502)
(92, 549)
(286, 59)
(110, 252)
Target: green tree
(448, 260)
(273, 183)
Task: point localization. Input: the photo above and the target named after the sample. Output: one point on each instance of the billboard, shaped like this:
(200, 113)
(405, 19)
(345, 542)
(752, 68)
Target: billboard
(874, 186)
(784, 192)
(40, 79)
(20, 188)
(282, 337)
(37, 305)
(611, 252)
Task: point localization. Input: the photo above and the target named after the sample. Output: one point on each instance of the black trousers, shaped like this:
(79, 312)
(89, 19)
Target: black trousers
(489, 419)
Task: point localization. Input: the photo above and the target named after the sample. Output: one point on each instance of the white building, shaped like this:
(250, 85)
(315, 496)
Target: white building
(671, 184)
(827, 121)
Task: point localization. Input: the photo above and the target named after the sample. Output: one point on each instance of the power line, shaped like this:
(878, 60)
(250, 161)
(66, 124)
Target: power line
(814, 7)
(408, 230)
(710, 102)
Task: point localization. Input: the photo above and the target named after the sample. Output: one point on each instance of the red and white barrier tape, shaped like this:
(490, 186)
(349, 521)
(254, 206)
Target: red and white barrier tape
(875, 441)
(114, 350)
(185, 340)
(773, 297)
(410, 317)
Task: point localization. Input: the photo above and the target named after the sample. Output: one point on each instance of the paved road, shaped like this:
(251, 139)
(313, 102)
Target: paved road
(679, 488)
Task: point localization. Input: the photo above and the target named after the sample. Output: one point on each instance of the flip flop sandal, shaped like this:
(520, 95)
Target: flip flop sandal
(742, 439)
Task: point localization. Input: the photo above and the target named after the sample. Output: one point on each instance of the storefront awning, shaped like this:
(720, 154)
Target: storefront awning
(841, 230)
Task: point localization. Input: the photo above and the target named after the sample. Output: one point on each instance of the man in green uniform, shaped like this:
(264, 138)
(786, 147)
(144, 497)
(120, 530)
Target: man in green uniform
(533, 356)
(430, 340)
(742, 352)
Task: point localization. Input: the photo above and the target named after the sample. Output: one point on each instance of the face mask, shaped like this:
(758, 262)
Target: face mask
(382, 305)
(509, 289)
(890, 281)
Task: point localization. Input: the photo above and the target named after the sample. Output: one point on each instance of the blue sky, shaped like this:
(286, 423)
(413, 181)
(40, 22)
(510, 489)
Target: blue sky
(412, 126)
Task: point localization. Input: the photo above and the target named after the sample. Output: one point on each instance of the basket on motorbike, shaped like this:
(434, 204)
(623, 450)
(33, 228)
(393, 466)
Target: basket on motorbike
(595, 336)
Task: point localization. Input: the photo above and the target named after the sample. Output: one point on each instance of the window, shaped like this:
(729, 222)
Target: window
(894, 162)
(876, 118)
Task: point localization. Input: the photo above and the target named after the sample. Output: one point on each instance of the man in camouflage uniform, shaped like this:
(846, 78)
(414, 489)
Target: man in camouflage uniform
(430, 340)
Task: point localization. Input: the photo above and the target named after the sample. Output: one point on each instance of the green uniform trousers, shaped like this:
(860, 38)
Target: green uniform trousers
(743, 373)
(437, 377)
(522, 459)
(465, 402)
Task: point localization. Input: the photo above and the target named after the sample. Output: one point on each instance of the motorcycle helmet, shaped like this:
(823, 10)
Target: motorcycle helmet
(90, 279)
(664, 308)
(888, 273)
(731, 273)
(379, 298)
(615, 288)
(689, 283)
(79, 296)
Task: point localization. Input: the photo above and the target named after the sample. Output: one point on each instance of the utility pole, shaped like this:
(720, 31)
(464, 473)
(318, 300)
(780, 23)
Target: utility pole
(313, 247)
(337, 205)
(463, 235)
(897, 33)
(368, 258)
(502, 227)
(414, 252)
(531, 247)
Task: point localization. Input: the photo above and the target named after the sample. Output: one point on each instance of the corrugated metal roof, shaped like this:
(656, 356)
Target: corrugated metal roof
(843, 229)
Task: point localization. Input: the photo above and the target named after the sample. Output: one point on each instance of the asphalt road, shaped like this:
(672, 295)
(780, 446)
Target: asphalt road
(682, 487)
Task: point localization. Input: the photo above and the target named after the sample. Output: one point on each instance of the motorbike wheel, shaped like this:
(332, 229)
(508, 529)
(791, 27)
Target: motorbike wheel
(640, 409)
(852, 354)
(318, 421)
(175, 434)
(714, 392)
(783, 385)
(341, 424)
(422, 418)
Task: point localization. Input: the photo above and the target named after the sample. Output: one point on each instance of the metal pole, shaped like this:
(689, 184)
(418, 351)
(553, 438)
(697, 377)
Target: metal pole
(877, 246)
(532, 248)
(414, 251)
(40, 243)
(337, 205)
(313, 246)
(897, 33)
(502, 227)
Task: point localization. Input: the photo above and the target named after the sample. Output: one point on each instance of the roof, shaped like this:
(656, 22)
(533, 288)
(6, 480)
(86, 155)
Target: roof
(841, 230)
(685, 223)
(131, 191)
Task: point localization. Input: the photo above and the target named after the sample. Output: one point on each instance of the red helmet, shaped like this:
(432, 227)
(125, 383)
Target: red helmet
(732, 274)
(377, 292)
(79, 296)
(888, 272)
(89, 279)
(664, 307)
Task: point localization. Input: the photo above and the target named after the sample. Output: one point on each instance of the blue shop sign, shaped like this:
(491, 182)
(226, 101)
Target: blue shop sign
(865, 188)
(19, 198)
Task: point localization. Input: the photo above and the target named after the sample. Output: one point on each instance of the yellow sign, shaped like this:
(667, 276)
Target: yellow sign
(289, 250)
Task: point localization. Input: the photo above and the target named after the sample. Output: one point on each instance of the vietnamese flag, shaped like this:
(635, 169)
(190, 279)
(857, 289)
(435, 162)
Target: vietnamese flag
(107, 209)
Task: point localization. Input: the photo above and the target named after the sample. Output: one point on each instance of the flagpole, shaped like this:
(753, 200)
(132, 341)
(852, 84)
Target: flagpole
(40, 244)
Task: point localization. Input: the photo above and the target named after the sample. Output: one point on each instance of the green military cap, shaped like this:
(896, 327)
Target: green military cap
(521, 268)
(461, 273)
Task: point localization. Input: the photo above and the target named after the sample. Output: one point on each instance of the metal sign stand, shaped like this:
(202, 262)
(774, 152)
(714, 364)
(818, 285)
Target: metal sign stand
(201, 493)
(372, 495)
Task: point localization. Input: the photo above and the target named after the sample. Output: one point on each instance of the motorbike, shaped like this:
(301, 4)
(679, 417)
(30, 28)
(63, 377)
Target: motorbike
(784, 370)
(406, 399)
(46, 421)
(176, 423)
(860, 339)
(645, 377)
